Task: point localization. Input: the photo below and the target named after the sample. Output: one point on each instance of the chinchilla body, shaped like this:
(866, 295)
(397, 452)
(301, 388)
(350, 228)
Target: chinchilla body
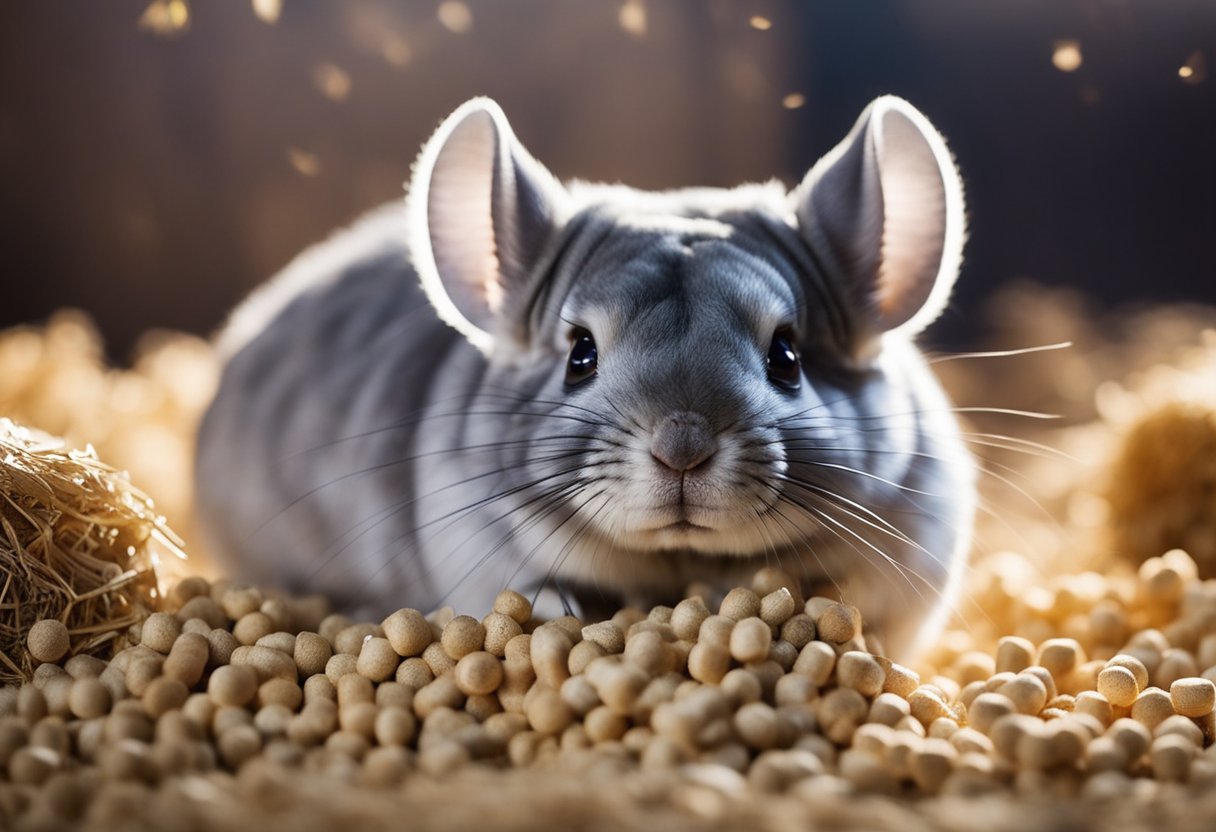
(605, 395)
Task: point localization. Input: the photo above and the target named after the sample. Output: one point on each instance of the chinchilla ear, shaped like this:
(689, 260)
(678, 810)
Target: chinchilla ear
(883, 212)
(481, 210)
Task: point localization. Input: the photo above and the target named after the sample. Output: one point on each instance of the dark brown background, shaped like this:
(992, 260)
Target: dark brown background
(148, 179)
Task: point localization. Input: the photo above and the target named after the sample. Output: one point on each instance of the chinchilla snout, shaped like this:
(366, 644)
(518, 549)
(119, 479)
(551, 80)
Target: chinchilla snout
(683, 441)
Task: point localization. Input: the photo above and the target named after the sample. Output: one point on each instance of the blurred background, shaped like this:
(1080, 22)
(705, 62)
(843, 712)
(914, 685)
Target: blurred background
(159, 159)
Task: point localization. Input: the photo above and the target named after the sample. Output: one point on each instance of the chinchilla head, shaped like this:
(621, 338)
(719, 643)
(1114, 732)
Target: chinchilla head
(709, 377)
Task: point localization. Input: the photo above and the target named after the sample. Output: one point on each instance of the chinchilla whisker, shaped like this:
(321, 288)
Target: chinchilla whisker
(857, 511)
(389, 464)
(564, 552)
(804, 538)
(941, 358)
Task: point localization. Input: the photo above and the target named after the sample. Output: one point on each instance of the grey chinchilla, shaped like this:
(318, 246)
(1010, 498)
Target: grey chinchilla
(603, 393)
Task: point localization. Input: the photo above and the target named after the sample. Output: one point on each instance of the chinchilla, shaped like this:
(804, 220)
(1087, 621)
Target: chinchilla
(601, 395)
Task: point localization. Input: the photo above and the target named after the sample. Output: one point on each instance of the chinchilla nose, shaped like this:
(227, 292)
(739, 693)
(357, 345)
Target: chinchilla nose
(683, 440)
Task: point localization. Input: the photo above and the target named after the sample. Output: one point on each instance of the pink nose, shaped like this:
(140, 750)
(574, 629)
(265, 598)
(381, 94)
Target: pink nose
(683, 440)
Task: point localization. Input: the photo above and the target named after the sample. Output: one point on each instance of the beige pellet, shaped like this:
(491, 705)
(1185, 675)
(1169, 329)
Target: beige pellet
(463, 635)
(750, 640)
(1175, 664)
(395, 726)
(708, 662)
(900, 680)
(441, 693)
(817, 660)
(1132, 736)
(88, 699)
(252, 626)
(280, 693)
(838, 623)
(1152, 707)
(233, 685)
(1060, 656)
(550, 652)
(1171, 757)
(648, 651)
(266, 662)
(513, 605)
(408, 632)
(414, 673)
(607, 635)
(1192, 696)
(777, 607)
(860, 672)
(546, 712)
(478, 673)
(163, 695)
(1095, 704)
(840, 711)
(1013, 655)
(349, 639)
(187, 658)
(339, 665)
(1045, 676)
(82, 666)
(310, 653)
(1118, 685)
(378, 660)
(583, 654)
(987, 708)
(1183, 727)
(220, 644)
(756, 725)
(687, 616)
(740, 603)
(500, 629)
(437, 659)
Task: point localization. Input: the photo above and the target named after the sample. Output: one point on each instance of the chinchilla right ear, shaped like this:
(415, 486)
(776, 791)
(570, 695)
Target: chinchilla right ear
(883, 213)
(480, 211)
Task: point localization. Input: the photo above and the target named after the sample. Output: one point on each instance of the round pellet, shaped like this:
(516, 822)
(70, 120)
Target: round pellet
(1193, 696)
(1152, 707)
(740, 603)
(478, 673)
(546, 712)
(414, 673)
(163, 695)
(1014, 654)
(750, 640)
(233, 685)
(860, 672)
(408, 631)
(187, 659)
(777, 607)
(648, 651)
(708, 662)
(1027, 692)
(607, 635)
(48, 640)
(463, 635)
(512, 604)
(88, 699)
(756, 725)
(1059, 656)
(687, 617)
(1118, 685)
(817, 660)
(377, 660)
(838, 623)
(550, 654)
(252, 626)
(500, 629)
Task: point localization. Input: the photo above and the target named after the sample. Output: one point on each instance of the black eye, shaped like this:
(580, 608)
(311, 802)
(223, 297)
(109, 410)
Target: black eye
(583, 356)
(784, 368)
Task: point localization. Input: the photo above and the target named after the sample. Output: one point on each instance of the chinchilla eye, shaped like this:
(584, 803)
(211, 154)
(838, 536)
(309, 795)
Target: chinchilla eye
(583, 356)
(784, 366)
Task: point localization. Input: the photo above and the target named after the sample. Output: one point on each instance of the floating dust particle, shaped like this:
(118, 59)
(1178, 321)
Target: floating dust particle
(455, 16)
(268, 11)
(793, 101)
(760, 23)
(332, 81)
(1195, 68)
(1066, 55)
(305, 163)
(167, 18)
(632, 18)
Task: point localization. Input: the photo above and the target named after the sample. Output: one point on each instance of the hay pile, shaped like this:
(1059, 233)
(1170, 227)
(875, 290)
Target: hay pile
(1071, 693)
(78, 543)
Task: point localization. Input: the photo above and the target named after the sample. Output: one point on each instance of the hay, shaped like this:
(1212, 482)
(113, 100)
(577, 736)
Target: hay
(78, 543)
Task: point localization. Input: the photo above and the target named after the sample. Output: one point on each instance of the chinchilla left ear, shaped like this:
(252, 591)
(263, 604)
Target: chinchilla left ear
(481, 210)
(883, 213)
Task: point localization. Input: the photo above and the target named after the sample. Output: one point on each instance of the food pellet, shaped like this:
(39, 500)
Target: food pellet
(1193, 697)
(1118, 685)
(48, 640)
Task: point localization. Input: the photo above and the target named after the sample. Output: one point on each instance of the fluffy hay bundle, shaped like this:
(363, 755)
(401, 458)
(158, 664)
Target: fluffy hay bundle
(77, 543)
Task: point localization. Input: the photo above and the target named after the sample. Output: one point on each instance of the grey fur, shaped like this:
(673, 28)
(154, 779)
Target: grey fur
(360, 447)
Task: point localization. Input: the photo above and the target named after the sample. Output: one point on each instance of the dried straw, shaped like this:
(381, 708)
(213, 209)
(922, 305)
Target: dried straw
(77, 543)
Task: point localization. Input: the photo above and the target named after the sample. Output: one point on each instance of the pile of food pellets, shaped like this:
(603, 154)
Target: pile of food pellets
(236, 695)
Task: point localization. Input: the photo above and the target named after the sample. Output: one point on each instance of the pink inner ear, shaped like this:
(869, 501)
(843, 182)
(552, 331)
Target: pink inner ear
(914, 221)
(460, 219)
